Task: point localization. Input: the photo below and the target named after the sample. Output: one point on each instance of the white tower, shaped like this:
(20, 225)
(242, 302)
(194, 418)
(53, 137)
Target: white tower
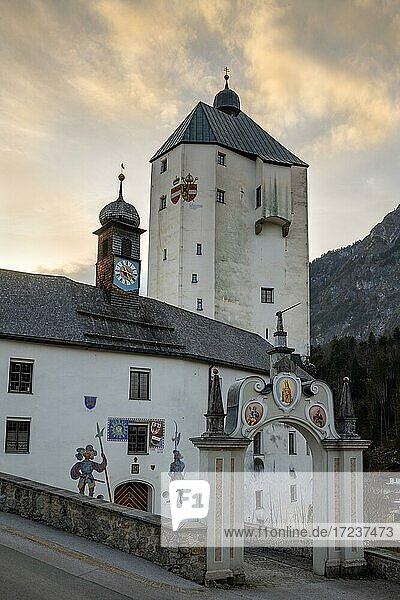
(232, 243)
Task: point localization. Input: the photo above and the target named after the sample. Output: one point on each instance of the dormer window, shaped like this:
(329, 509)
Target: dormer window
(163, 165)
(126, 248)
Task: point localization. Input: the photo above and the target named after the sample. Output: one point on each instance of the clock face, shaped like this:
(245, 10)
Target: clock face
(126, 274)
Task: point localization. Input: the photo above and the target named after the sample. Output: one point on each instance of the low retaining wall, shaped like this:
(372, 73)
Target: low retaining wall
(116, 526)
(384, 563)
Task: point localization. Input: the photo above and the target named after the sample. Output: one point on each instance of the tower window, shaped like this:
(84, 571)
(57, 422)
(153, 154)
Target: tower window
(137, 439)
(220, 197)
(17, 436)
(164, 165)
(195, 278)
(199, 304)
(258, 196)
(199, 249)
(20, 376)
(221, 159)
(164, 254)
(139, 385)
(267, 295)
(292, 443)
(259, 498)
(293, 493)
(266, 333)
(163, 202)
(126, 248)
(105, 247)
(257, 443)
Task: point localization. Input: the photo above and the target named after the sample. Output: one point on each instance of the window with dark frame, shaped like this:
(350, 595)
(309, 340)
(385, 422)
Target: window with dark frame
(126, 248)
(259, 499)
(139, 385)
(221, 159)
(163, 202)
(20, 376)
(258, 196)
(220, 196)
(164, 165)
(195, 278)
(257, 443)
(138, 435)
(164, 254)
(266, 333)
(292, 443)
(267, 295)
(105, 247)
(293, 493)
(199, 249)
(199, 304)
(17, 436)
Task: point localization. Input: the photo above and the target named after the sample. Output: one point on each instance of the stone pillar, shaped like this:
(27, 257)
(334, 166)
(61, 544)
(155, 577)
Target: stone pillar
(221, 462)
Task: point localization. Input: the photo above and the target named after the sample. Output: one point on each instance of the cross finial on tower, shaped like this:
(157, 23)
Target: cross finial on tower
(226, 77)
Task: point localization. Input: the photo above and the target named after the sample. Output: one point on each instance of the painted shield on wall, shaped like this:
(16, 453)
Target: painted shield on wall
(318, 416)
(90, 402)
(253, 413)
(286, 390)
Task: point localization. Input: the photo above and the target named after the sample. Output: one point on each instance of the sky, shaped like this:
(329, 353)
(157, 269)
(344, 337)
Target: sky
(88, 84)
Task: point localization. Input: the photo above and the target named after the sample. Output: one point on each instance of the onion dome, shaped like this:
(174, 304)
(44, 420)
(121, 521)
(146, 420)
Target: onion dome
(227, 100)
(119, 210)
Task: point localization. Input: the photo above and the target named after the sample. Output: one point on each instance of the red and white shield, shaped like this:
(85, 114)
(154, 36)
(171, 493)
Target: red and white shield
(176, 193)
(189, 192)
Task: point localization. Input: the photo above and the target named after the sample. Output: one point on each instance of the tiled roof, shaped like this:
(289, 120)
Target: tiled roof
(208, 125)
(53, 309)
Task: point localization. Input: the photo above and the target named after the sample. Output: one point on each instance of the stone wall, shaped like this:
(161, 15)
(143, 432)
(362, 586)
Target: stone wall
(116, 526)
(384, 563)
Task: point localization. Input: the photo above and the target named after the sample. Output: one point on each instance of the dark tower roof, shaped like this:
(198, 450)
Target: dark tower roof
(227, 100)
(208, 125)
(119, 210)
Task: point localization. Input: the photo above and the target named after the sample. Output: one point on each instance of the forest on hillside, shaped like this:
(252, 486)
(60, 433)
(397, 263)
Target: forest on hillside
(373, 366)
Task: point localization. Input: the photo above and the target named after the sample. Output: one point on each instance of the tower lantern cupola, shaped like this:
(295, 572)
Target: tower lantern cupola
(118, 255)
(227, 100)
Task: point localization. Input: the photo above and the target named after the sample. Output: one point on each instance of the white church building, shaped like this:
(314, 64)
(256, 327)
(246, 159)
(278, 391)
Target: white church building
(228, 249)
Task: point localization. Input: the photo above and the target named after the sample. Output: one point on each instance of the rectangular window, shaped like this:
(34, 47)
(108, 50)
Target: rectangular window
(199, 249)
(266, 333)
(293, 493)
(164, 165)
(139, 385)
(17, 436)
(267, 295)
(195, 278)
(307, 449)
(220, 196)
(20, 376)
(163, 202)
(258, 196)
(137, 439)
(221, 159)
(257, 443)
(164, 252)
(199, 303)
(259, 499)
(105, 247)
(292, 442)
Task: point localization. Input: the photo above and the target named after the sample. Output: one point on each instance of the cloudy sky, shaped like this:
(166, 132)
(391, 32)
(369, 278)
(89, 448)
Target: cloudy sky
(86, 84)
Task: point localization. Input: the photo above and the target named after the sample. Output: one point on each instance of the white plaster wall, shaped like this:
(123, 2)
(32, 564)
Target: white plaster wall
(60, 423)
(236, 263)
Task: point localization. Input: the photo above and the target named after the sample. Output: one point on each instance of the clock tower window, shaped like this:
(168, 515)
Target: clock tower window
(126, 248)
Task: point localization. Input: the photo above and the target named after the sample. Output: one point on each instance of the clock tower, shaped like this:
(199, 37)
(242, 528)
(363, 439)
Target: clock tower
(118, 254)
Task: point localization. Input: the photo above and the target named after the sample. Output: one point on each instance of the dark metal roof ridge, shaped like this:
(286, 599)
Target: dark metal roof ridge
(124, 319)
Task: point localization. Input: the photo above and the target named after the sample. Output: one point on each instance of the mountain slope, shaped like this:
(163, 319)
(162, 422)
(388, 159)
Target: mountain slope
(356, 290)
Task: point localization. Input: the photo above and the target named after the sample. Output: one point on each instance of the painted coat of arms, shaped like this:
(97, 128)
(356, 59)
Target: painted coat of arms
(286, 390)
(185, 188)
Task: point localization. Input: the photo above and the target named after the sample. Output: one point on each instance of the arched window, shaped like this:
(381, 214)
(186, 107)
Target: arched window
(126, 248)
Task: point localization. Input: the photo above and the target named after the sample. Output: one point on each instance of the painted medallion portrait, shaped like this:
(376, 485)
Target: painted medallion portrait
(253, 413)
(318, 416)
(287, 390)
